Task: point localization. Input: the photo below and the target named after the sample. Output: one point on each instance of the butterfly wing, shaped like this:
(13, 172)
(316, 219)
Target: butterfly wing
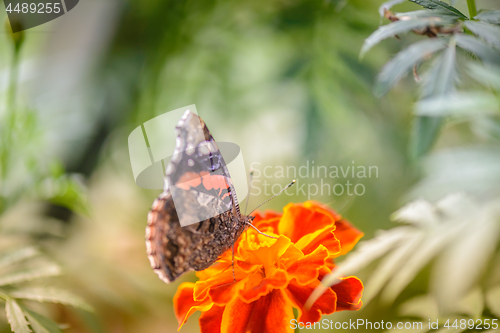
(197, 216)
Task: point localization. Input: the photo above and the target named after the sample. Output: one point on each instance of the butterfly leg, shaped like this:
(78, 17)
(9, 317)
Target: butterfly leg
(260, 232)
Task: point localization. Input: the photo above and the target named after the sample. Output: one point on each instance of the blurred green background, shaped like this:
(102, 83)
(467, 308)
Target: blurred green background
(282, 79)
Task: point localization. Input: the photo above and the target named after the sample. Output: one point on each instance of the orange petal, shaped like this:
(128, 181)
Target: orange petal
(325, 237)
(298, 295)
(259, 285)
(347, 235)
(221, 287)
(269, 314)
(185, 305)
(211, 320)
(349, 292)
(299, 220)
(267, 219)
(266, 255)
(306, 269)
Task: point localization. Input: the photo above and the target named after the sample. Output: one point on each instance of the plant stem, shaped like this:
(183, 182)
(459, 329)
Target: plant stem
(472, 8)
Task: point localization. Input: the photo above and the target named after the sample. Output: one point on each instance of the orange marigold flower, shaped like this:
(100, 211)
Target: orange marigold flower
(274, 275)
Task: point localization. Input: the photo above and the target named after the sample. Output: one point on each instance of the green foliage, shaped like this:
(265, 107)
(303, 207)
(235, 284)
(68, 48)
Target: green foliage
(19, 268)
(445, 24)
(454, 236)
(29, 172)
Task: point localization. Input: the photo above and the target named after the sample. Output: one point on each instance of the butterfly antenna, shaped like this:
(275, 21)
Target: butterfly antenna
(248, 197)
(274, 196)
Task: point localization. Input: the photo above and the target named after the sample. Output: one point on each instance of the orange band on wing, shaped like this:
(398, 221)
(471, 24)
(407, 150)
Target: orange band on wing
(193, 179)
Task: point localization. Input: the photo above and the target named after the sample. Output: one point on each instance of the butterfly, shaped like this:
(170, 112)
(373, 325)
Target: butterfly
(199, 192)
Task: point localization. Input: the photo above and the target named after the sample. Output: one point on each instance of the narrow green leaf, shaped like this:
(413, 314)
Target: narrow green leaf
(490, 33)
(16, 318)
(28, 275)
(390, 30)
(424, 133)
(17, 256)
(41, 324)
(441, 77)
(489, 17)
(404, 61)
(53, 295)
(477, 47)
(443, 17)
(388, 5)
(437, 4)
(439, 80)
(463, 104)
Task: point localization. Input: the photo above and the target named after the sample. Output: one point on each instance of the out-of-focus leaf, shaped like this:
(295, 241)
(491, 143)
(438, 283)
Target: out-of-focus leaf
(430, 247)
(390, 30)
(493, 300)
(389, 265)
(472, 304)
(29, 275)
(437, 4)
(16, 318)
(66, 191)
(475, 247)
(443, 17)
(41, 324)
(485, 74)
(367, 252)
(404, 61)
(424, 134)
(490, 33)
(477, 47)
(388, 5)
(421, 307)
(463, 104)
(17, 256)
(475, 170)
(51, 295)
(490, 17)
(439, 80)
(419, 212)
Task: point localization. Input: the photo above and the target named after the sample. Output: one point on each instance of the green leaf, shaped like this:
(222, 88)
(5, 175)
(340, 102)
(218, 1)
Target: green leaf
(487, 31)
(437, 4)
(388, 5)
(477, 47)
(443, 17)
(53, 295)
(28, 275)
(487, 75)
(41, 324)
(489, 17)
(16, 318)
(439, 80)
(424, 134)
(391, 30)
(17, 256)
(404, 61)
(463, 104)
